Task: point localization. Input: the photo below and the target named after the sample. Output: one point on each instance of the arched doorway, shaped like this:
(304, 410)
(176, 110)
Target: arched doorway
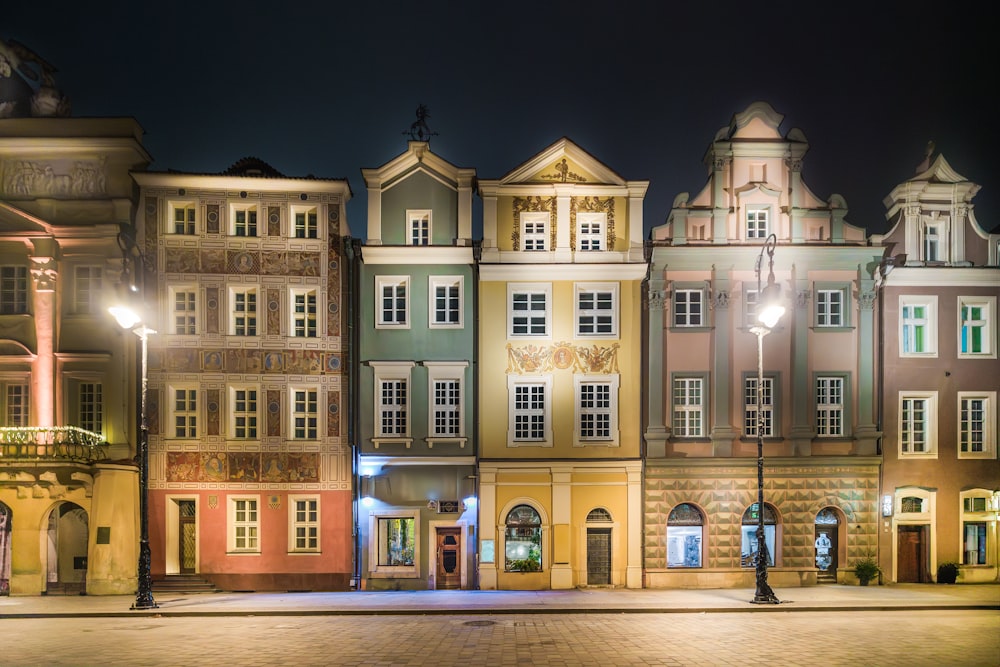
(826, 544)
(6, 518)
(599, 547)
(66, 549)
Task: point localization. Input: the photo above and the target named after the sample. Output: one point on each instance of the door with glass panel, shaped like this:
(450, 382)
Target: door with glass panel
(188, 536)
(449, 559)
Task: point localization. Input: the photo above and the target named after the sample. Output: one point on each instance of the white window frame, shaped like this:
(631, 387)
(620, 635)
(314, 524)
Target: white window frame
(692, 309)
(768, 407)
(445, 371)
(543, 381)
(308, 318)
(251, 318)
(906, 424)
(832, 307)
(190, 326)
(683, 405)
(15, 401)
(309, 525)
(310, 222)
(750, 306)
(755, 217)
(252, 427)
(94, 421)
(591, 228)
(392, 371)
(87, 289)
(831, 414)
(934, 236)
(929, 323)
(300, 412)
(382, 282)
(972, 515)
(611, 383)
(536, 228)
(251, 220)
(987, 425)
(182, 414)
(419, 227)
(375, 542)
(13, 289)
(447, 282)
(246, 528)
(530, 289)
(598, 292)
(190, 221)
(988, 326)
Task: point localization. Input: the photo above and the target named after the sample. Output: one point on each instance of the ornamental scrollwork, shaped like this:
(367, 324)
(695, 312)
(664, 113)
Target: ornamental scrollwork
(531, 205)
(592, 205)
(563, 174)
(719, 300)
(866, 300)
(530, 359)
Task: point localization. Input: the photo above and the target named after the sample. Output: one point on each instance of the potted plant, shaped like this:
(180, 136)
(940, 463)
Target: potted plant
(947, 572)
(866, 569)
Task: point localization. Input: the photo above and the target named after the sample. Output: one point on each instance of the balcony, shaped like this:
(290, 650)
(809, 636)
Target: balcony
(50, 443)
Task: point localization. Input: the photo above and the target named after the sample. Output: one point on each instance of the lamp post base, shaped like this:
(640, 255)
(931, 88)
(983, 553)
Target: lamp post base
(144, 604)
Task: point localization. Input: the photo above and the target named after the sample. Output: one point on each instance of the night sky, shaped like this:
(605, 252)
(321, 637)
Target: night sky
(327, 88)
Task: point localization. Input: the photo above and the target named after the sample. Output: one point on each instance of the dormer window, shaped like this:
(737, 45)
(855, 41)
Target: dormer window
(419, 223)
(932, 243)
(757, 223)
(535, 231)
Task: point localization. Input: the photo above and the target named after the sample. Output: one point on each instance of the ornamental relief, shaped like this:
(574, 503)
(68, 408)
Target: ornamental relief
(562, 174)
(592, 205)
(531, 205)
(531, 359)
(54, 178)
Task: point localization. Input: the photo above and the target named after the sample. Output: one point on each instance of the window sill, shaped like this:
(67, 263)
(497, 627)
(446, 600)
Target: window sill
(445, 441)
(686, 329)
(822, 329)
(392, 441)
(917, 455)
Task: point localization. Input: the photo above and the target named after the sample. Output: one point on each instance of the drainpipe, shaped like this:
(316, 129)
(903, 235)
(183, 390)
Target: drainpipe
(351, 252)
(477, 252)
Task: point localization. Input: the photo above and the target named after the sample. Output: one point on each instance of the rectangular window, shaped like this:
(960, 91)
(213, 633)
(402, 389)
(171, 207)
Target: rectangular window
(244, 413)
(245, 525)
(977, 326)
(13, 290)
(767, 408)
(529, 310)
(974, 543)
(185, 412)
(305, 524)
(918, 425)
(750, 307)
(244, 222)
(90, 414)
(918, 326)
(393, 408)
(535, 231)
(87, 294)
(932, 241)
(15, 404)
(243, 320)
(591, 231)
(829, 406)
(596, 310)
(689, 408)
(393, 306)
(597, 408)
(183, 219)
(529, 411)
(306, 226)
(397, 542)
(305, 414)
(304, 313)
(447, 408)
(184, 316)
(420, 227)
(829, 308)
(976, 420)
(689, 307)
(757, 223)
(447, 301)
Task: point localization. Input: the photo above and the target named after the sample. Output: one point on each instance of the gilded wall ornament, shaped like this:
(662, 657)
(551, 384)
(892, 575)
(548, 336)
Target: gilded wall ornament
(530, 359)
(562, 174)
(531, 205)
(592, 205)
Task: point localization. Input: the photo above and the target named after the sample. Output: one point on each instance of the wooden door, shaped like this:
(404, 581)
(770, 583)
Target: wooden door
(187, 541)
(910, 555)
(598, 556)
(449, 558)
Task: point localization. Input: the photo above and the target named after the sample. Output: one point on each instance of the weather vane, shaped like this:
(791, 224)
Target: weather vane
(419, 131)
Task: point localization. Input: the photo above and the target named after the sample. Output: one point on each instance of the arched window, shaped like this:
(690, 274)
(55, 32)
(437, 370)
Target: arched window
(748, 543)
(599, 515)
(685, 527)
(523, 540)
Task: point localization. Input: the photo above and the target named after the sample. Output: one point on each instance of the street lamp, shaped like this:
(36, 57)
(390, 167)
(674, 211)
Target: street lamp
(768, 310)
(129, 319)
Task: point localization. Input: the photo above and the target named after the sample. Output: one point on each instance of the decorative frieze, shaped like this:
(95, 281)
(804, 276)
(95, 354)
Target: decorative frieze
(529, 359)
(55, 178)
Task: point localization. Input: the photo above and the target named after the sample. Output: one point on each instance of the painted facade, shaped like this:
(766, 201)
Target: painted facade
(250, 464)
(560, 349)
(68, 484)
(940, 368)
(415, 329)
(820, 426)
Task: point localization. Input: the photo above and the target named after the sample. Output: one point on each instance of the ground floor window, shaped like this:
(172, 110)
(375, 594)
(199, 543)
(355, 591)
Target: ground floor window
(685, 525)
(523, 540)
(974, 536)
(748, 532)
(396, 541)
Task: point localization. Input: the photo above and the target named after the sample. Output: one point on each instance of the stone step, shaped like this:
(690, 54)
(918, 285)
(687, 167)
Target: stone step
(184, 583)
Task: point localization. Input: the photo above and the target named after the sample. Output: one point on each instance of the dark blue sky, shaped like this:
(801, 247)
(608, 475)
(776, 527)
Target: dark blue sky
(327, 88)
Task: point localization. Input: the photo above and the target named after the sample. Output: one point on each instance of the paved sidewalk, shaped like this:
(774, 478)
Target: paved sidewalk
(815, 598)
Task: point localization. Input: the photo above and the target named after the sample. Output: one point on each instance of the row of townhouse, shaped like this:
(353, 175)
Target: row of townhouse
(563, 402)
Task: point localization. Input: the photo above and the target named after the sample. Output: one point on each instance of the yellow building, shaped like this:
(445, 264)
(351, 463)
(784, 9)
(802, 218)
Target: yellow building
(560, 375)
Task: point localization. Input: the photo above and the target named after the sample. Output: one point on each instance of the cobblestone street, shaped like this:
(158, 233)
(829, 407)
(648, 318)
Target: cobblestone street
(885, 638)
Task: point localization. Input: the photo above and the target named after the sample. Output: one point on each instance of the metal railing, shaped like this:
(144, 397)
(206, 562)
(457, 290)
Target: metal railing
(52, 443)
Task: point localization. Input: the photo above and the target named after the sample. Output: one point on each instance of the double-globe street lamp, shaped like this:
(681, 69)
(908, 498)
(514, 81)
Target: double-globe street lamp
(768, 311)
(130, 319)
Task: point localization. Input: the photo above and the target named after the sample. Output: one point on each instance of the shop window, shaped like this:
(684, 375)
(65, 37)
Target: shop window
(685, 532)
(523, 540)
(748, 533)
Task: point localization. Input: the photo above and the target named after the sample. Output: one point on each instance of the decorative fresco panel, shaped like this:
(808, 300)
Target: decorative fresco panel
(213, 467)
(273, 412)
(273, 221)
(273, 262)
(274, 467)
(273, 312)
(212, 218)
(242, 261)
(243, 466)
(211, 310)
(302, 263)
(180, 260)
(152, 234)
(153, 410)
(333, 214)
(333, 286)
(561, 356)
(213, 260)
(183, 466)
(212, 405)
(332, 363)
(333, 413)
(176, 360)
(302, 466)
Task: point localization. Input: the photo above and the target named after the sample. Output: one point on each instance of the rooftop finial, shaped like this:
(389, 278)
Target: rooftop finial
(419, 131)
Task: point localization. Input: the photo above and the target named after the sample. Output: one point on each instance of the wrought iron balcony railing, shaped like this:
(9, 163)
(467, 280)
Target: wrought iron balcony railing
(70, 443)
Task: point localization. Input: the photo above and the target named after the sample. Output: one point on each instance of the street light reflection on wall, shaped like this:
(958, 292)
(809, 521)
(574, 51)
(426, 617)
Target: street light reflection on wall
(129, 318)
(769, 310)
